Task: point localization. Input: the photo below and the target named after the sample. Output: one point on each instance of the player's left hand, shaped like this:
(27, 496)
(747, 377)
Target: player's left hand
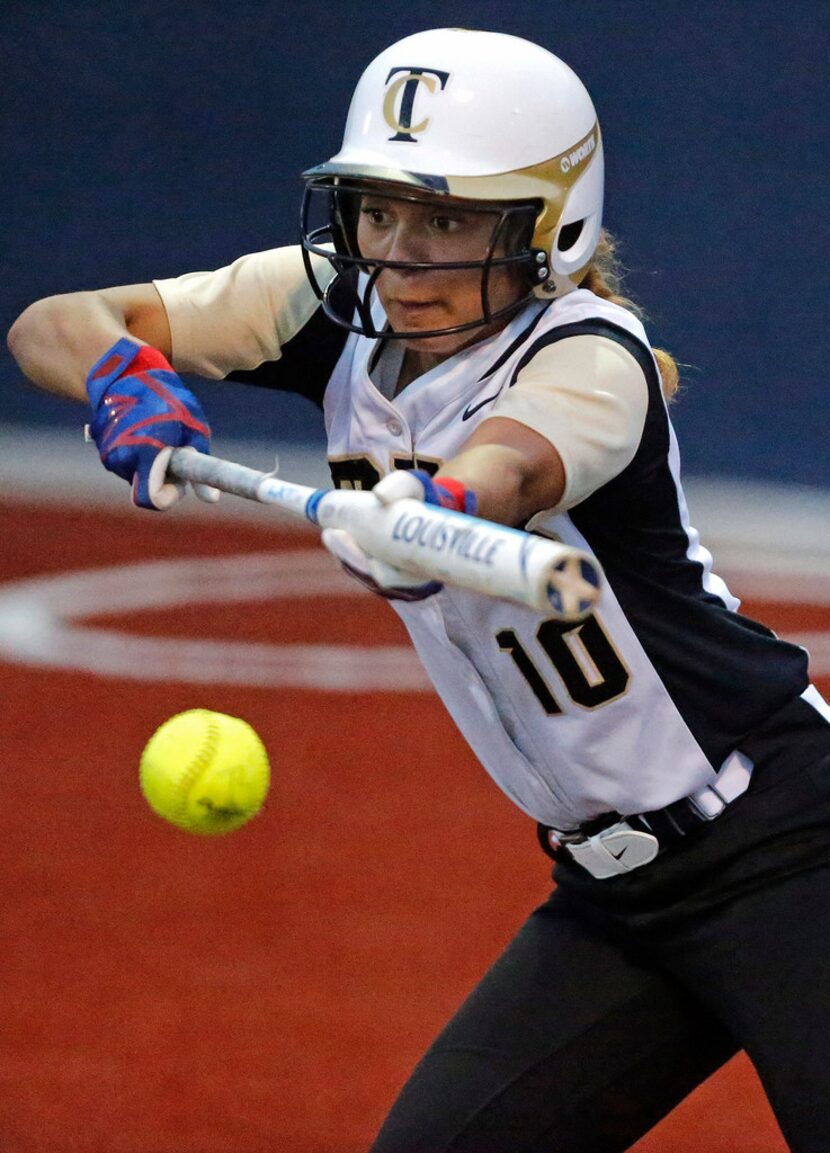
(378, 576)
(142, 411)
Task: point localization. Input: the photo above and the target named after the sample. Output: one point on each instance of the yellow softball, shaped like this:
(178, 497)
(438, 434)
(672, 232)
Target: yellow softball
(205, 772)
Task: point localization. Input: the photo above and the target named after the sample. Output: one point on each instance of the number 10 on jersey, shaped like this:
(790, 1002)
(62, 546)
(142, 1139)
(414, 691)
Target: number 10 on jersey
(583, 656)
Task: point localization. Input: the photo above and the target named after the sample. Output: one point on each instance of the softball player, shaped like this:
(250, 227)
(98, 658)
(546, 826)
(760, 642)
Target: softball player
(453, 312)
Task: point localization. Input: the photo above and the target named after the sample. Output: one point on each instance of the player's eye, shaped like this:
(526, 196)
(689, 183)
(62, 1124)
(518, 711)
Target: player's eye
(446, 224)
(375, 215)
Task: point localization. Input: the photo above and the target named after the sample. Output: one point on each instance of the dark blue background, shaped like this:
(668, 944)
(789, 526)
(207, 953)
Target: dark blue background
(150, 139)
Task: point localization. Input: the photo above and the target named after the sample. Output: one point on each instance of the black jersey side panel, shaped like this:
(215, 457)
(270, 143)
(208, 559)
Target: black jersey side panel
(725, 672)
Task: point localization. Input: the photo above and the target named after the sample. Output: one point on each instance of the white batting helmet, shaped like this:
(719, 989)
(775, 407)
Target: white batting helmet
(487, 118)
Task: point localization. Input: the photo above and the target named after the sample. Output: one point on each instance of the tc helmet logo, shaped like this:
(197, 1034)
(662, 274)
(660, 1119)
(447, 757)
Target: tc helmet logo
(401, 122)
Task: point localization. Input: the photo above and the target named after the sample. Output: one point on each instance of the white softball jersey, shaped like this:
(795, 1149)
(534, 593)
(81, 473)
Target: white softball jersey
(644, 701)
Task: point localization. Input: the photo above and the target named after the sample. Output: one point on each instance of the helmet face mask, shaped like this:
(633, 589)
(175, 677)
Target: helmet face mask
(478, 120)
(329, 225)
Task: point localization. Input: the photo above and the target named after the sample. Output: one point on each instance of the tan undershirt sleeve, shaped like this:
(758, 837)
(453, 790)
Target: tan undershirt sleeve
(239, 316)
(588, 396)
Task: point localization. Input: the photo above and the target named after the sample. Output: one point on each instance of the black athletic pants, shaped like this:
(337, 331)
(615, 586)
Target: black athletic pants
(618, 997)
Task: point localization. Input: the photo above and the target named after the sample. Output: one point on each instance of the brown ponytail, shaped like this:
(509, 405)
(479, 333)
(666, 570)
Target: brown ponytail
(604, 278)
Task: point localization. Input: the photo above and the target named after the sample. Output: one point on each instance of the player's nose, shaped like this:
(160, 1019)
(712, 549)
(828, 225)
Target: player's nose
(409, 243)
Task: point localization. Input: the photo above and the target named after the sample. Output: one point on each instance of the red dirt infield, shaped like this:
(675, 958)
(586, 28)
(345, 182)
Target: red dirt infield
(268, 991)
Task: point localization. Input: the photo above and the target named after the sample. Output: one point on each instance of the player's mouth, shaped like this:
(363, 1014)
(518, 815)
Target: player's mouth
(411, 302)
(412, 309)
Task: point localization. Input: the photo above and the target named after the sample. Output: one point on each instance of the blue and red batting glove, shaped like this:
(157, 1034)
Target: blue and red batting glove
(141, 408)
(446, 492)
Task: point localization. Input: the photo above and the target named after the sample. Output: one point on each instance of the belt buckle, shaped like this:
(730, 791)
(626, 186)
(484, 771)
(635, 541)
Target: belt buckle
(614, 851)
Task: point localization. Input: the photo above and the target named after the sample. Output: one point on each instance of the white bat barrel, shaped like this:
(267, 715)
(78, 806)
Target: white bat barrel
(464, 550)
(422, 539)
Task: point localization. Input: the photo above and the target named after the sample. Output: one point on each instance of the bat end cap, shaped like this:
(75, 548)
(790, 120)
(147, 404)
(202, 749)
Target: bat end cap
(574, 587)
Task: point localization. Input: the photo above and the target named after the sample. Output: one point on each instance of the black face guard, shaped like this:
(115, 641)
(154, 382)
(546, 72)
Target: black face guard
(336, 240)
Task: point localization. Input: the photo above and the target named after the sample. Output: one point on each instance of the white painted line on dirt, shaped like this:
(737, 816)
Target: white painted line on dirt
(42, 624)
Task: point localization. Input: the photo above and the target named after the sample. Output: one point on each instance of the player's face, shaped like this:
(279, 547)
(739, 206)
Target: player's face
(424, 299)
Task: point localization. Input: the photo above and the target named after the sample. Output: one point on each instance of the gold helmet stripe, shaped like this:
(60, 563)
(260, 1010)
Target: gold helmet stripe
(549, 181)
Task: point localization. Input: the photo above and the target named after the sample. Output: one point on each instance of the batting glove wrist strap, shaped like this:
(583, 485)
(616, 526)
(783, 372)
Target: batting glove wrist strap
(124, 354)
(142, 411)
(446, 492)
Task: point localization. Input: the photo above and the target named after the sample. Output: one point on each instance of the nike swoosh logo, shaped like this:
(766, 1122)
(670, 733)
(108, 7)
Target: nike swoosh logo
(473, 408)
(617, 856)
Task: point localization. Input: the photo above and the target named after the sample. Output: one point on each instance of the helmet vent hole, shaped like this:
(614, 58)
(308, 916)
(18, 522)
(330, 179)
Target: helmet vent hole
(568, 235)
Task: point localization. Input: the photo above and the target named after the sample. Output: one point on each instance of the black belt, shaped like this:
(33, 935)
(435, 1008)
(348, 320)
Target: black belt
(612, 844)
(657, 830)
(668, 825)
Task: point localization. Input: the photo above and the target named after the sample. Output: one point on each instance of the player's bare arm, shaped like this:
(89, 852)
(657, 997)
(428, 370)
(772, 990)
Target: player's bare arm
(513, 471)
(57, 339)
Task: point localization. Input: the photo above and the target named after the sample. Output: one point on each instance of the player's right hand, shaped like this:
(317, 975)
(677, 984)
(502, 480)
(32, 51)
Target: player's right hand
(376, 575)
(415, 484)
(141, 412)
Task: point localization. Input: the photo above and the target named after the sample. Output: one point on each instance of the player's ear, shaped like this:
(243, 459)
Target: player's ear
(516, 230)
